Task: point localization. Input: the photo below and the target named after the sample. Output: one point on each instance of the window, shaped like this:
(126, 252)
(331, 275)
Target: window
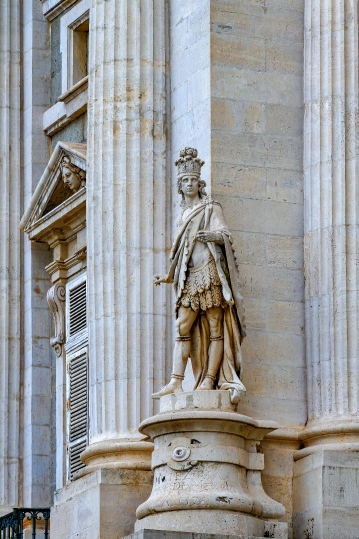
(74, 38)
(78, 65)
(76, 374)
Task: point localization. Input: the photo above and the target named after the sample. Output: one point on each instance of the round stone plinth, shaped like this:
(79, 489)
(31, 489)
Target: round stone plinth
(205, 461)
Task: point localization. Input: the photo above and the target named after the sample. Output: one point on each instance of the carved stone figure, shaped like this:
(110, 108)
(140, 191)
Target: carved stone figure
(209, 312)
(73, 176)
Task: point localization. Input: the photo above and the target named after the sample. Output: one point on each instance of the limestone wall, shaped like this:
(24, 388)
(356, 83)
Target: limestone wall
(76, 131)
(190, 84)
(236, 94)
(257, 116)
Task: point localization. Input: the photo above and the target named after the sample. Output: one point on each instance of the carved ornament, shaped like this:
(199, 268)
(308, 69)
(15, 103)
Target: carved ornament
(56, 299)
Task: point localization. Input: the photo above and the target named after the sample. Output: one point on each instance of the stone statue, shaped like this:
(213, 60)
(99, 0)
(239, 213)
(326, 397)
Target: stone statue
(209, 312)
(72, 176)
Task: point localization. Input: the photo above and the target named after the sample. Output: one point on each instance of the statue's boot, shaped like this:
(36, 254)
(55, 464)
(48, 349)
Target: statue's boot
(215, 355)
(180, 358)
(174, 386)
(207, 383)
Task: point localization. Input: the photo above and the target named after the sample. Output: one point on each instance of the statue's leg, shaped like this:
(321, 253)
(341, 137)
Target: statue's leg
(184, 323)
(215, 353)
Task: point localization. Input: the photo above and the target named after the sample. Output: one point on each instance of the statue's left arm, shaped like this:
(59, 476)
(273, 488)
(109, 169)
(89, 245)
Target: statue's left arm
(216, 226)
(219, 225)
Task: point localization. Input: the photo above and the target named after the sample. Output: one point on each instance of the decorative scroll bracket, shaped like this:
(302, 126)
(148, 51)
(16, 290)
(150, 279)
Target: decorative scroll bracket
(56, 299)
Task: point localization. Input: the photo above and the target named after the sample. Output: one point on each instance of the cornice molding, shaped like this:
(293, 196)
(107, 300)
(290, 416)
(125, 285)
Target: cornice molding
(52, 8)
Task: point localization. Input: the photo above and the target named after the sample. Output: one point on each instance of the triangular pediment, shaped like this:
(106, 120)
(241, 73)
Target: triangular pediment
(51, 192)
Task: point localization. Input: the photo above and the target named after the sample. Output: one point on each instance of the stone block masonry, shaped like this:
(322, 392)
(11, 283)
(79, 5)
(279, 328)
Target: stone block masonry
(256, 53)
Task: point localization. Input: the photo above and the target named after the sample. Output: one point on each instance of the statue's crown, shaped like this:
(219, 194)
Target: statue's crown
(188, 162)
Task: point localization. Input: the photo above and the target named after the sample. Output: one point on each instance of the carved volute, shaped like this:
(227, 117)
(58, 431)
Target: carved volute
(56, 299)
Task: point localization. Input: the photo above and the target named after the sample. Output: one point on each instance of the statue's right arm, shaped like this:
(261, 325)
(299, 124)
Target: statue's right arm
(167, 279)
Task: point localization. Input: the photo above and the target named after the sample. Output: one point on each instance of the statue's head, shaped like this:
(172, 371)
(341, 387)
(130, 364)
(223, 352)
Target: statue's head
(72, 176)
(189, 166)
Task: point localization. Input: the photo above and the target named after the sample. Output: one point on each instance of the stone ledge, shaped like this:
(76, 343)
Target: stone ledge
(67, 110)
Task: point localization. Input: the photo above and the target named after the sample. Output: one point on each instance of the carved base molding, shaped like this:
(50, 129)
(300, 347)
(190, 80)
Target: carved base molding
(336, 435)
(112, 454)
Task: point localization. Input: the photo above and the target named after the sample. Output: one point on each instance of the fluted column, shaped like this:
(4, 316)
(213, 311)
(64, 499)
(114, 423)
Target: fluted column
(10, 213)
(331, 221)
(126, 221)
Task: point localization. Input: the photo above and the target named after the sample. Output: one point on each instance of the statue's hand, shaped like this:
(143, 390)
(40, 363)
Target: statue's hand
(158, 279)
(205, 235)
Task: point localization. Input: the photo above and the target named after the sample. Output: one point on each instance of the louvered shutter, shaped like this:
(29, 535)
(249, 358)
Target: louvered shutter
(78, 410)
(77, 374)
(77, 309)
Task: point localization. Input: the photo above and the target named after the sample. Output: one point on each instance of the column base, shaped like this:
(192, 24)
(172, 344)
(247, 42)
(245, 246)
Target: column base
(326, 495)
(124, 455)
(99, 505)
(276, 530)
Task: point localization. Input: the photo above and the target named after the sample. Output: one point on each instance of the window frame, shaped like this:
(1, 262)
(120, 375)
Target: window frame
(68, 24)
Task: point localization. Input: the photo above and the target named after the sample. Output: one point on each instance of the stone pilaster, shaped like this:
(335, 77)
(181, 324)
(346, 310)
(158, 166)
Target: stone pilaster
(127, 220)
(36, 401)
(331, 220)
(10, 260)
(323, 484)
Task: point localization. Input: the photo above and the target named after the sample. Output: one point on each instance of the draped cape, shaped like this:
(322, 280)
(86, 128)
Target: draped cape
(208, 215)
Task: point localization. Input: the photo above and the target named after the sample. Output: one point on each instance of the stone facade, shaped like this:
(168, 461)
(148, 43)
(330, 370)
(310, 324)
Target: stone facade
(267, 91)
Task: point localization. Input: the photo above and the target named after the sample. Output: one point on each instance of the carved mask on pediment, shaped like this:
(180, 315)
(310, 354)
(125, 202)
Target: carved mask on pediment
(73, 177)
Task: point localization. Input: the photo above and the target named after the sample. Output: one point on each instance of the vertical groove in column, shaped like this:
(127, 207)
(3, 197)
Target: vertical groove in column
(148, 105)
(10, 214)
(351, 111)
(330, 193)
(325, 197)
(161, 196)
(307, 185)
(126, 154)
(136, 183)
(339, 233)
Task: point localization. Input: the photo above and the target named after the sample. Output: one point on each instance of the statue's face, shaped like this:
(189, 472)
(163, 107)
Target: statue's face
(190, 185)
(71, 179)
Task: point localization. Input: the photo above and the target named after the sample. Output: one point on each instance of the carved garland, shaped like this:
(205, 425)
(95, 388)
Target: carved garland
(56, 299)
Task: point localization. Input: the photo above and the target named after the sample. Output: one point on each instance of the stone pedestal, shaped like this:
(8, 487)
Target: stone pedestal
(207, 471)
(326, 495)
(100, 504)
